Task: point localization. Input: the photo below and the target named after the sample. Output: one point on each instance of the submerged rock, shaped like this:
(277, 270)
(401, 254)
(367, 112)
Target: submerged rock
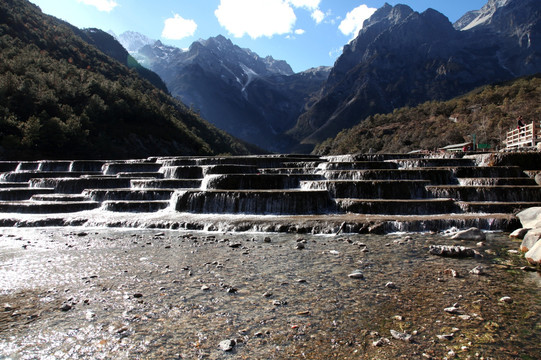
(401, 336)
(469, 234)
(357, 274)
(227, 345)
(451, 251)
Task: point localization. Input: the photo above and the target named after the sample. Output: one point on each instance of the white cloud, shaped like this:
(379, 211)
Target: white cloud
(299, 31)
(309, 4)
(354, 20)
(101, 5)
(256, 18)
(318, 16)
(177, 28)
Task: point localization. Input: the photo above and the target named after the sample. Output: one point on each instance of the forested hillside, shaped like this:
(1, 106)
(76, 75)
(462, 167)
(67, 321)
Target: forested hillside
(63, 98)
(488, 112)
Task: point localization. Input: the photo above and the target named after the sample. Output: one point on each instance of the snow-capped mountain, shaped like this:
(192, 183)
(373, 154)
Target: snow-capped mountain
(253, 98)
(133, 41)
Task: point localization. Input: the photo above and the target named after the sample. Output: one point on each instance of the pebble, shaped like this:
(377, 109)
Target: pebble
(357, 274)
(8, 307)
(447, 337)
(453, 310)
(381, 342)
(227, 345)
(267, 239)
(478, 270)
(205, 288)
(65, 307)
(299, 246)
(401, 335)
(506, 299)
(137, 295)
(391, 285)
(451, 272)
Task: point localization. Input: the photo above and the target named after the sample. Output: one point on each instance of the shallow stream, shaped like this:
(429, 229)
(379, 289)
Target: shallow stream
(100, 293)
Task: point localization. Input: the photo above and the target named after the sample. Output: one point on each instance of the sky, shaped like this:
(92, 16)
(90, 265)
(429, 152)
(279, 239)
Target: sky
(305, 33)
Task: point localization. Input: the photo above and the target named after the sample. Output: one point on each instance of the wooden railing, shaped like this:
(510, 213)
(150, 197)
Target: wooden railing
(528, 135)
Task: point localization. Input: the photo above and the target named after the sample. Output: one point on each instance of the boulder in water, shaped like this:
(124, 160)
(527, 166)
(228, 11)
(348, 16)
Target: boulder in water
(530, 239)
(534, 255)
(469, 234)
(531, 217)
(519, 233)
(451, 251)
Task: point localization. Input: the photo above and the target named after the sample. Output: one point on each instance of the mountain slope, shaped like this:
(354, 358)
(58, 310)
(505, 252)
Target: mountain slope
(488, 112)
(255, 99)
(63, 98)
(403, 58)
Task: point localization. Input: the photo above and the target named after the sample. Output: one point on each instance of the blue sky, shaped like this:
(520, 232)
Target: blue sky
(305, 33)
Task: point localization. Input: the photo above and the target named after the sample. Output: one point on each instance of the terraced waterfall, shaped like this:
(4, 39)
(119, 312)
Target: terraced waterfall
(284, 193)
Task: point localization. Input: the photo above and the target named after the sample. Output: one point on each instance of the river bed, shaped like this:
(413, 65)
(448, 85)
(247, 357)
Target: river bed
(102, 293)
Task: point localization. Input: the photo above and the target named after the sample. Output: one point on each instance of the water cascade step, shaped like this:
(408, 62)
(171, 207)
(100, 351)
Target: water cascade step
(275, 202)
(357, 186)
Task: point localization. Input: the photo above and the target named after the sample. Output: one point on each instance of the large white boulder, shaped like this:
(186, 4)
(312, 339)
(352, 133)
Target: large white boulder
(531, 217)
(530, 239)
(534, 255)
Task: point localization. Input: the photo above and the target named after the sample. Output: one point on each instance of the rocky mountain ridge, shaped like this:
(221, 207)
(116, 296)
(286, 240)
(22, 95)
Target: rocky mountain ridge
(403, 58)
(400, 58)
(253, 98)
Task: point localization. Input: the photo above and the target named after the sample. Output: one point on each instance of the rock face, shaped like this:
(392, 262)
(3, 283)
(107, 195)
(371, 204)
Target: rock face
(253, 98)
(402, 57)
(534, 255)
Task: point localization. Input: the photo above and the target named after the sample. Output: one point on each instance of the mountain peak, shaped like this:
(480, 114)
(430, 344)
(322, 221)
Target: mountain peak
(480, 17)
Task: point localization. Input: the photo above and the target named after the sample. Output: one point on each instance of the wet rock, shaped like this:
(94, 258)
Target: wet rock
(90, 315)
(401, 336)
(453, 310)
(82, 233)
(478, 270)
(530, 239)
(66, 307)
(357, 274)
(451, 272)
(381, 342)
(227, 345)
(267, 239)
(469, 234)
(299, 246)
(533, 256)
(235, 245)
(391, 285)
(137, 295)
(451, 251)
(519, 233)
(506, 299)
(447, 337)
(531, 217)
